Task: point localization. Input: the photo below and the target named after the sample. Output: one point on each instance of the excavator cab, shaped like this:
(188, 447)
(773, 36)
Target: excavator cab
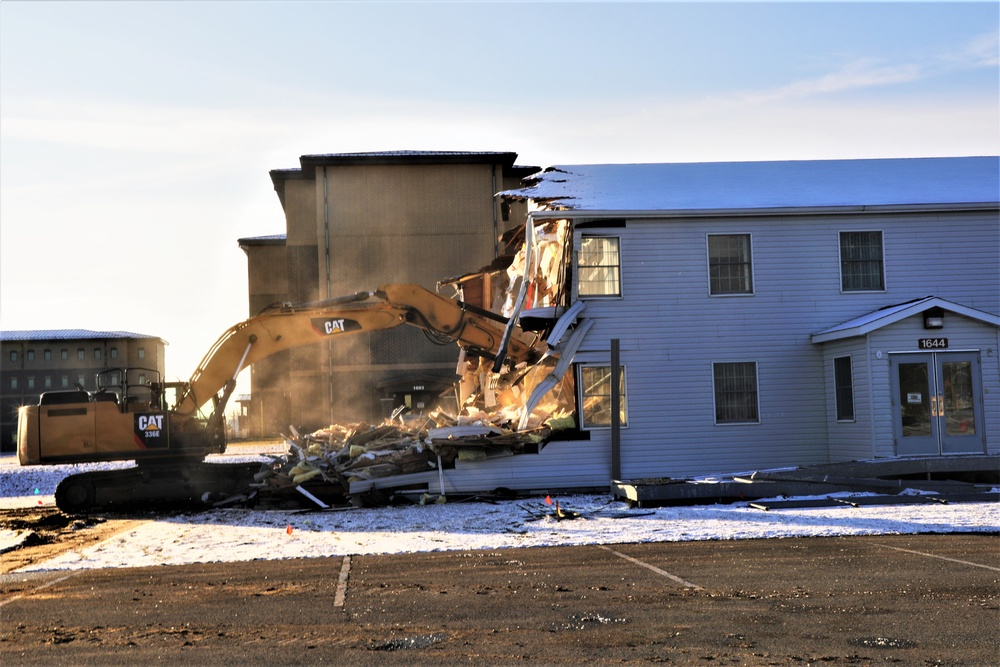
(126, 417)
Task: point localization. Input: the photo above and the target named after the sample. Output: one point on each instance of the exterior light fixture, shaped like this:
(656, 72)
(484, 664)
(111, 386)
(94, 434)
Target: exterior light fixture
(933, 318)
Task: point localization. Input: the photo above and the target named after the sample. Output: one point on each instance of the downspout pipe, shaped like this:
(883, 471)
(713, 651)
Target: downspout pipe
(616, 415)
(329, 286)
(496, 222)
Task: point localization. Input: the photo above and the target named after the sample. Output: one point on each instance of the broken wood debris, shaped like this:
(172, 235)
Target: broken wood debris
(321, 466)
(557, 512)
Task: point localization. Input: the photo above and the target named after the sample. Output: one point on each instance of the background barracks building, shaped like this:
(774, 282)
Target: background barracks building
(354, 222)
(37, 361)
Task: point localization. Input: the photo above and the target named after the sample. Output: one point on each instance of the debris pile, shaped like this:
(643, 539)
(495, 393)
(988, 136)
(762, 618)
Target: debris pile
(501, 413)
(323, 465)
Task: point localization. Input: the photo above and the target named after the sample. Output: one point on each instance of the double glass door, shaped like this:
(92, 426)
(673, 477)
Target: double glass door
(936, 403)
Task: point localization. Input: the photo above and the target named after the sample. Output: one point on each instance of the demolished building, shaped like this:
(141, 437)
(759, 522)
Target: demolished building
(709, 318)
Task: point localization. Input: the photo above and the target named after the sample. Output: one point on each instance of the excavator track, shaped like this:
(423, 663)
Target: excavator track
(152, 486)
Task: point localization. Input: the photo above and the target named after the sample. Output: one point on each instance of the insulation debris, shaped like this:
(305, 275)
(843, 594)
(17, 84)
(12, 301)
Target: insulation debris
(321, 466)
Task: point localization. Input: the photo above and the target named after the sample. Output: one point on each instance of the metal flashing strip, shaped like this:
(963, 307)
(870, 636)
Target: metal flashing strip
(628, 214)
(560, 369)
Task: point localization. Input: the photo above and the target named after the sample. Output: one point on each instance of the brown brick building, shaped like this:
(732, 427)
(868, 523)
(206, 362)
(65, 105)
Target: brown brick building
(355, 221)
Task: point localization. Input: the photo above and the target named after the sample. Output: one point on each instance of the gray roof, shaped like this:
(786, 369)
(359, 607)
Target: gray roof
(67, 334)
(892, 314)
(411, 154)
(267, 239)
(709, 187)
(309, 163)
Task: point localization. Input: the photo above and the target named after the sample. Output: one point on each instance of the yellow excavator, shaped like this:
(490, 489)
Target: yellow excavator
(163, 427)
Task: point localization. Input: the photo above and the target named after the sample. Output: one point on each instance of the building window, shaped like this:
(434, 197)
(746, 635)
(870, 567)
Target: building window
(48, 382)
(81, 354)
(736, 392)
(13, 355)
(31, 355)
(730, 268)
(64, 354)
(843, 378)
(599, 266)
(31, 382)
(64, 381)
(13, 382)
(47, 355)
(97, 353)
(82, 381)
(595, 396)
(113, 352)
(142, 353)
(862, 268)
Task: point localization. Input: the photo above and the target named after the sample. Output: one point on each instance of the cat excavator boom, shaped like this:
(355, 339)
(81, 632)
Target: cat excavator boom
(164, 427)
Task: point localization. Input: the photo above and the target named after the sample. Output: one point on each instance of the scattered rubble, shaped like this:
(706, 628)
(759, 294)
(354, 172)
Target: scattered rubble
(321, 466)
(502, 413)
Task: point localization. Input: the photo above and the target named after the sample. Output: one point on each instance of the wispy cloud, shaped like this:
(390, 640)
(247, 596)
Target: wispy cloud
(859, 74)
(983, 51)
(870, 73)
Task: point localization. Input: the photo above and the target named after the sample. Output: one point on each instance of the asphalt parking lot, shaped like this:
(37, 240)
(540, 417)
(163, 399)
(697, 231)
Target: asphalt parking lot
(908, 600)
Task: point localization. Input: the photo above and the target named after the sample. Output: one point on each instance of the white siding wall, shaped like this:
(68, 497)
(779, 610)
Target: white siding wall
(562, 464)
(671, 331)
(850, 440)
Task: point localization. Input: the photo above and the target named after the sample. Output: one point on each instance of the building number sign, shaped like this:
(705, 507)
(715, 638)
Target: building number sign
(933, 343)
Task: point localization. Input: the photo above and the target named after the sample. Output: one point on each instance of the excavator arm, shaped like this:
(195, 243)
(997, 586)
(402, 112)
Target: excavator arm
(283, 327)
(168, 444)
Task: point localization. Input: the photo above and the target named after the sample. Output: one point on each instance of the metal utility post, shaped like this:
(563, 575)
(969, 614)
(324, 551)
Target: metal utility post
(616, 415)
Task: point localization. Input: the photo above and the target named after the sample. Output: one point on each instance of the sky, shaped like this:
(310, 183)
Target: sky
(136, 137)
(234, 535)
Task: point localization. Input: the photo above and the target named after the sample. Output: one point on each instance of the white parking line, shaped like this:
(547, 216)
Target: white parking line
(39, 588)
(953, 560)
(663, 573)
(345, 573)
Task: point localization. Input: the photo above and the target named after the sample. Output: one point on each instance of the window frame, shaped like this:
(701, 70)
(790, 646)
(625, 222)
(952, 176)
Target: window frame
(839, 389)
(582, 395)
(756, 394)
(748, 264)
(841, 261)
(617, 267)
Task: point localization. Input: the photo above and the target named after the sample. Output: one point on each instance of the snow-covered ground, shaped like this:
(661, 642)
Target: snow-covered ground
(242, 535)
